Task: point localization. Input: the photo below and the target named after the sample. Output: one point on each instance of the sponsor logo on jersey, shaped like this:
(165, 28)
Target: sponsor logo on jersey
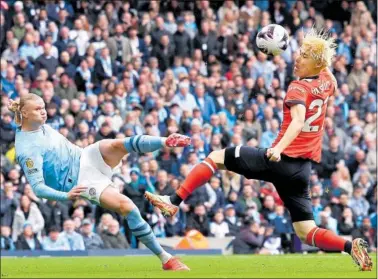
(294, 87)
(31, 171)
(29, 163)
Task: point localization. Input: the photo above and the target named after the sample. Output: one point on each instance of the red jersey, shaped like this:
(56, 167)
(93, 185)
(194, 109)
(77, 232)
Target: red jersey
(313, 93)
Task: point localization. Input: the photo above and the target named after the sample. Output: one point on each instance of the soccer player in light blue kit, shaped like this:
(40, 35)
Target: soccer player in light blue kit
(58, 170)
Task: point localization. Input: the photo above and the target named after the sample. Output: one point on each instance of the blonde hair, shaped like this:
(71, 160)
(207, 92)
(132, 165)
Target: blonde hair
(16, 106)
(322, 47)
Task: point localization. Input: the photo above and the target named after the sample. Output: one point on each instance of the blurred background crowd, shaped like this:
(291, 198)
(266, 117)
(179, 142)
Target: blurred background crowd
(113, 69)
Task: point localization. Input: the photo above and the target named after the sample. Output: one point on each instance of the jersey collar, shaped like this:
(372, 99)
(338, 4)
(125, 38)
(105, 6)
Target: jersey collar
(309, 78)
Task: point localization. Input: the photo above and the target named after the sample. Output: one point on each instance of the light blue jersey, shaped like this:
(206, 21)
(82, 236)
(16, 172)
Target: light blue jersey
(50, 162)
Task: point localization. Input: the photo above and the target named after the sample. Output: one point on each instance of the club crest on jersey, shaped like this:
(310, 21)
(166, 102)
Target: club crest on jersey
(92, 192)
(29, 163)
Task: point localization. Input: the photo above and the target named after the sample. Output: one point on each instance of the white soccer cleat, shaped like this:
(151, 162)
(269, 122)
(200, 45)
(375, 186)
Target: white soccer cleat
(163, 203)
(360, 255)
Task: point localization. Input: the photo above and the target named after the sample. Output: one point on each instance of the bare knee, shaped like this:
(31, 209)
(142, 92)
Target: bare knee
(125, 207)
(303, 228)
(218, 157)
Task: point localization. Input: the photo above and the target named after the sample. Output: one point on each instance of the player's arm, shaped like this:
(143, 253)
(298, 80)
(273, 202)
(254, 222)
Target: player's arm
(296, 100)
(298, 113)
(32, 165)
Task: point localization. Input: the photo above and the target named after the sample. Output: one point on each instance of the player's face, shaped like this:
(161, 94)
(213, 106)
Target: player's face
(34, 112)
(305, 65)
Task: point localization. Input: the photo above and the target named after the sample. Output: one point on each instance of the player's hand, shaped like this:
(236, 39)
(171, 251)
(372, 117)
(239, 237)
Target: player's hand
(76, 192)
(274, 154)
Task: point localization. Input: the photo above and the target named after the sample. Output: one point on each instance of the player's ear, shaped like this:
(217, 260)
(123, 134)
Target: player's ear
(319, 65)
(24, 112)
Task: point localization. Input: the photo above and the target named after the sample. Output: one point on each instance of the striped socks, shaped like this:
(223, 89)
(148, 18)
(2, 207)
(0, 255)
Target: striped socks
(143, 232)
(143, 144)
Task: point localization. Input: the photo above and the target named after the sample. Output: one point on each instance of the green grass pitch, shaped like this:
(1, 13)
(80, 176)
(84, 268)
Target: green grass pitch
(249, 266)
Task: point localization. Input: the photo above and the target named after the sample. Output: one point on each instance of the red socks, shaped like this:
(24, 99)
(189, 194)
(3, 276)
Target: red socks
(199, 175)
(325, 240)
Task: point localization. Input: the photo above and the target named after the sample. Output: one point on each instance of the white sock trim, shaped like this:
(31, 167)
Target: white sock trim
(210, 166)
(313, 237)
(165, 257)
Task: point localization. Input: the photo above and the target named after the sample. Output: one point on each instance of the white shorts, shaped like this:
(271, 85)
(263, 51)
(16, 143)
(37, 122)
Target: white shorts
(94, 173)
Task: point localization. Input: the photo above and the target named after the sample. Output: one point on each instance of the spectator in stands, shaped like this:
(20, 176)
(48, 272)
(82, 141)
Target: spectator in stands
(347, 222)
(339, 206)
(113, 238)
(249, 240)
(368, 233)
(74, 239)
(327, 221)
(174, 227)
(66, 89)
(270, 135)
(27, 212)
(219, 227)
(358, 203)
(234, 222)
(204, 102)
(206, 41)
(54, 241)
(120, 47)
(19, 27)
(8, 83)
(68, 67)
(216, 195)
(198, 220)
(281, 222)
(164, 52)
(105, 67)
(9, 204)
(182, 40)
(12, 54)
(272, 242)
(249, 199)
(54, 214)
(269, 209)
(357, 75)
(91, 239)
(46, 61)
(332, 157)
(28, 240)
(6, 241)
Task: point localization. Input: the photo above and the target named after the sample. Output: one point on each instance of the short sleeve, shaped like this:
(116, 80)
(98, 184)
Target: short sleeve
(296, 94)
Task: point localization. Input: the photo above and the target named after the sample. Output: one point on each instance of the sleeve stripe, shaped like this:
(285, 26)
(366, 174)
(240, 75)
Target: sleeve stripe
(295, 102)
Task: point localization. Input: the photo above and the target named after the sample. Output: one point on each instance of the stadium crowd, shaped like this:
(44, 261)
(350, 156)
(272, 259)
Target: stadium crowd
(113, 69)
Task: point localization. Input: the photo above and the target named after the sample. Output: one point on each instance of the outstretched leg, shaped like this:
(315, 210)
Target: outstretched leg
(199, 175)
(111, 199)
(113, 150)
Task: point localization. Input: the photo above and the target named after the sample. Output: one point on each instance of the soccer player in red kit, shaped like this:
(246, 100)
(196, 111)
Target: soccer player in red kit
(287, 164)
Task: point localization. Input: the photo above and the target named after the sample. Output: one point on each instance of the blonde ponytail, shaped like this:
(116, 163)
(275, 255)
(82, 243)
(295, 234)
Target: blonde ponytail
(15, 107)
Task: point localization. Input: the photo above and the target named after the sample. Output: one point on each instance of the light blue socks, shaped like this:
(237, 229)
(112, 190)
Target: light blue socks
(142, 230)
(143, 144)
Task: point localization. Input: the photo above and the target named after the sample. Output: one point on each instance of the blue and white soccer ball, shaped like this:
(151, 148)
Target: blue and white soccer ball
(272, 39)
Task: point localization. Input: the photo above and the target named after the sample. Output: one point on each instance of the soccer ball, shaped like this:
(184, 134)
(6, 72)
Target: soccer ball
(272, 39)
